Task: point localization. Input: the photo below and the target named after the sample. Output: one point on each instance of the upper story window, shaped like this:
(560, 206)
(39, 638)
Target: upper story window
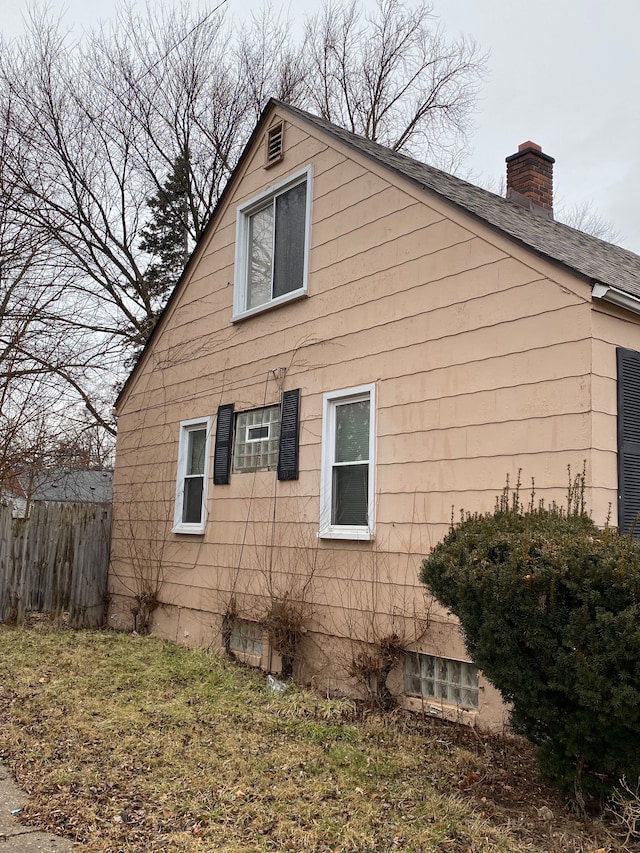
(191, 485)
(347, 488)
(272, 244)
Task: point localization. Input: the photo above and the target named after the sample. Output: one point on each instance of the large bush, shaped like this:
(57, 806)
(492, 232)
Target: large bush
(549, 608)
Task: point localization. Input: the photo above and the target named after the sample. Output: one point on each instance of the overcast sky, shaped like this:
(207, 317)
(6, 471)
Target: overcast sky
(563, 73)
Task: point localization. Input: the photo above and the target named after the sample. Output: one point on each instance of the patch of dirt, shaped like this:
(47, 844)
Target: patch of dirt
(506, 789)
(44, 621)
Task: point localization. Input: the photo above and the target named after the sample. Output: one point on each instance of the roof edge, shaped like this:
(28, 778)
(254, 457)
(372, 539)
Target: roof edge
(616, 297)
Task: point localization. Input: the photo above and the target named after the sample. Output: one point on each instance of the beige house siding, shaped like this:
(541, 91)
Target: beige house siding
(481, 355)
(612, 328)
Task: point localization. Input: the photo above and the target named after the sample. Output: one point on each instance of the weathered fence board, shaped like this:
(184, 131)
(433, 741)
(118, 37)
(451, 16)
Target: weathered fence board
(55, 561)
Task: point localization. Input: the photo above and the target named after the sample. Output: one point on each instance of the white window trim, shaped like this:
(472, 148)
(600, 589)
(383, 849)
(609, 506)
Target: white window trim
(243, 213)
(339, 531)
(248, 429)
(185, 428)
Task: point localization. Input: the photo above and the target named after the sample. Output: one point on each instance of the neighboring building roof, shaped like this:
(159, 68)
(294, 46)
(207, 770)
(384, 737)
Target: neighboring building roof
(69, 485)
(588, 256)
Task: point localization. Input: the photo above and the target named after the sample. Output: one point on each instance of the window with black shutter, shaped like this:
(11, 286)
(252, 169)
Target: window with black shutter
(628, 441)
(256, 440)
(264, 438)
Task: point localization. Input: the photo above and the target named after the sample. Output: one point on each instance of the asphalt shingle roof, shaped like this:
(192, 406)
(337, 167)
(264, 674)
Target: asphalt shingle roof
(71, 485)
(597, 260)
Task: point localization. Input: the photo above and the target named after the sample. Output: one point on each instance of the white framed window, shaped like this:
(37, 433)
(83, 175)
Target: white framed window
(257, 439)
(191, 484)
(347, 473)
(444, 679)
(272, 246)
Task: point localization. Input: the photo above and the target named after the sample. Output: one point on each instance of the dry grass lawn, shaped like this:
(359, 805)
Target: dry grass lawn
(132, 744)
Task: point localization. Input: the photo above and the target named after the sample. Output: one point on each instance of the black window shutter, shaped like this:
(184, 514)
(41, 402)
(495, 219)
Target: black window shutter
(224, 441)
(628, 441)
(289, 435)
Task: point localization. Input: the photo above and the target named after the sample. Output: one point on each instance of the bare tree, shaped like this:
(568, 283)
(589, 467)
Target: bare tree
(27, 299)
(394, 77)
(584, 217)
(43, 376)
(92, 130)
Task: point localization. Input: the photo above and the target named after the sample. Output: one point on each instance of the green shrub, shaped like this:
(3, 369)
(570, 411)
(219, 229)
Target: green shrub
(549, 606)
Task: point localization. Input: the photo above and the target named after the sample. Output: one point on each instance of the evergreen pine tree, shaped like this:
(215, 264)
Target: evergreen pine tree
(166, 237)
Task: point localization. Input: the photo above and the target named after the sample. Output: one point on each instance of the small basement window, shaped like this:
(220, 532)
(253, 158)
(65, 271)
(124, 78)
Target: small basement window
(447, 680)
(246, 637)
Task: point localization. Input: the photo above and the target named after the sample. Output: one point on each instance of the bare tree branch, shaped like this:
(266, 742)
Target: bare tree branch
(393, 77)
(91, 130)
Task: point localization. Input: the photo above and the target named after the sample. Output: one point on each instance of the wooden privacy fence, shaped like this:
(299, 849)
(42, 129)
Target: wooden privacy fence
(55, 561)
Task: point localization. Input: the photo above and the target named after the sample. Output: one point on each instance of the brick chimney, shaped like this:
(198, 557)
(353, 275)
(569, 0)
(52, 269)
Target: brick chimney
(530, 179)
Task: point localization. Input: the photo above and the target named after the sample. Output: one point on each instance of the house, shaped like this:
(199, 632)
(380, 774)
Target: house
(360, 346)
(12, 492)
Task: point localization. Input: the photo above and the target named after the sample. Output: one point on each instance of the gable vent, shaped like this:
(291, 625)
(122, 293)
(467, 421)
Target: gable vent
(275, 144)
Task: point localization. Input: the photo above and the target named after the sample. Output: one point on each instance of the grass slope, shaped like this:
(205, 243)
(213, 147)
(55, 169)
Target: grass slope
(133, 744)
